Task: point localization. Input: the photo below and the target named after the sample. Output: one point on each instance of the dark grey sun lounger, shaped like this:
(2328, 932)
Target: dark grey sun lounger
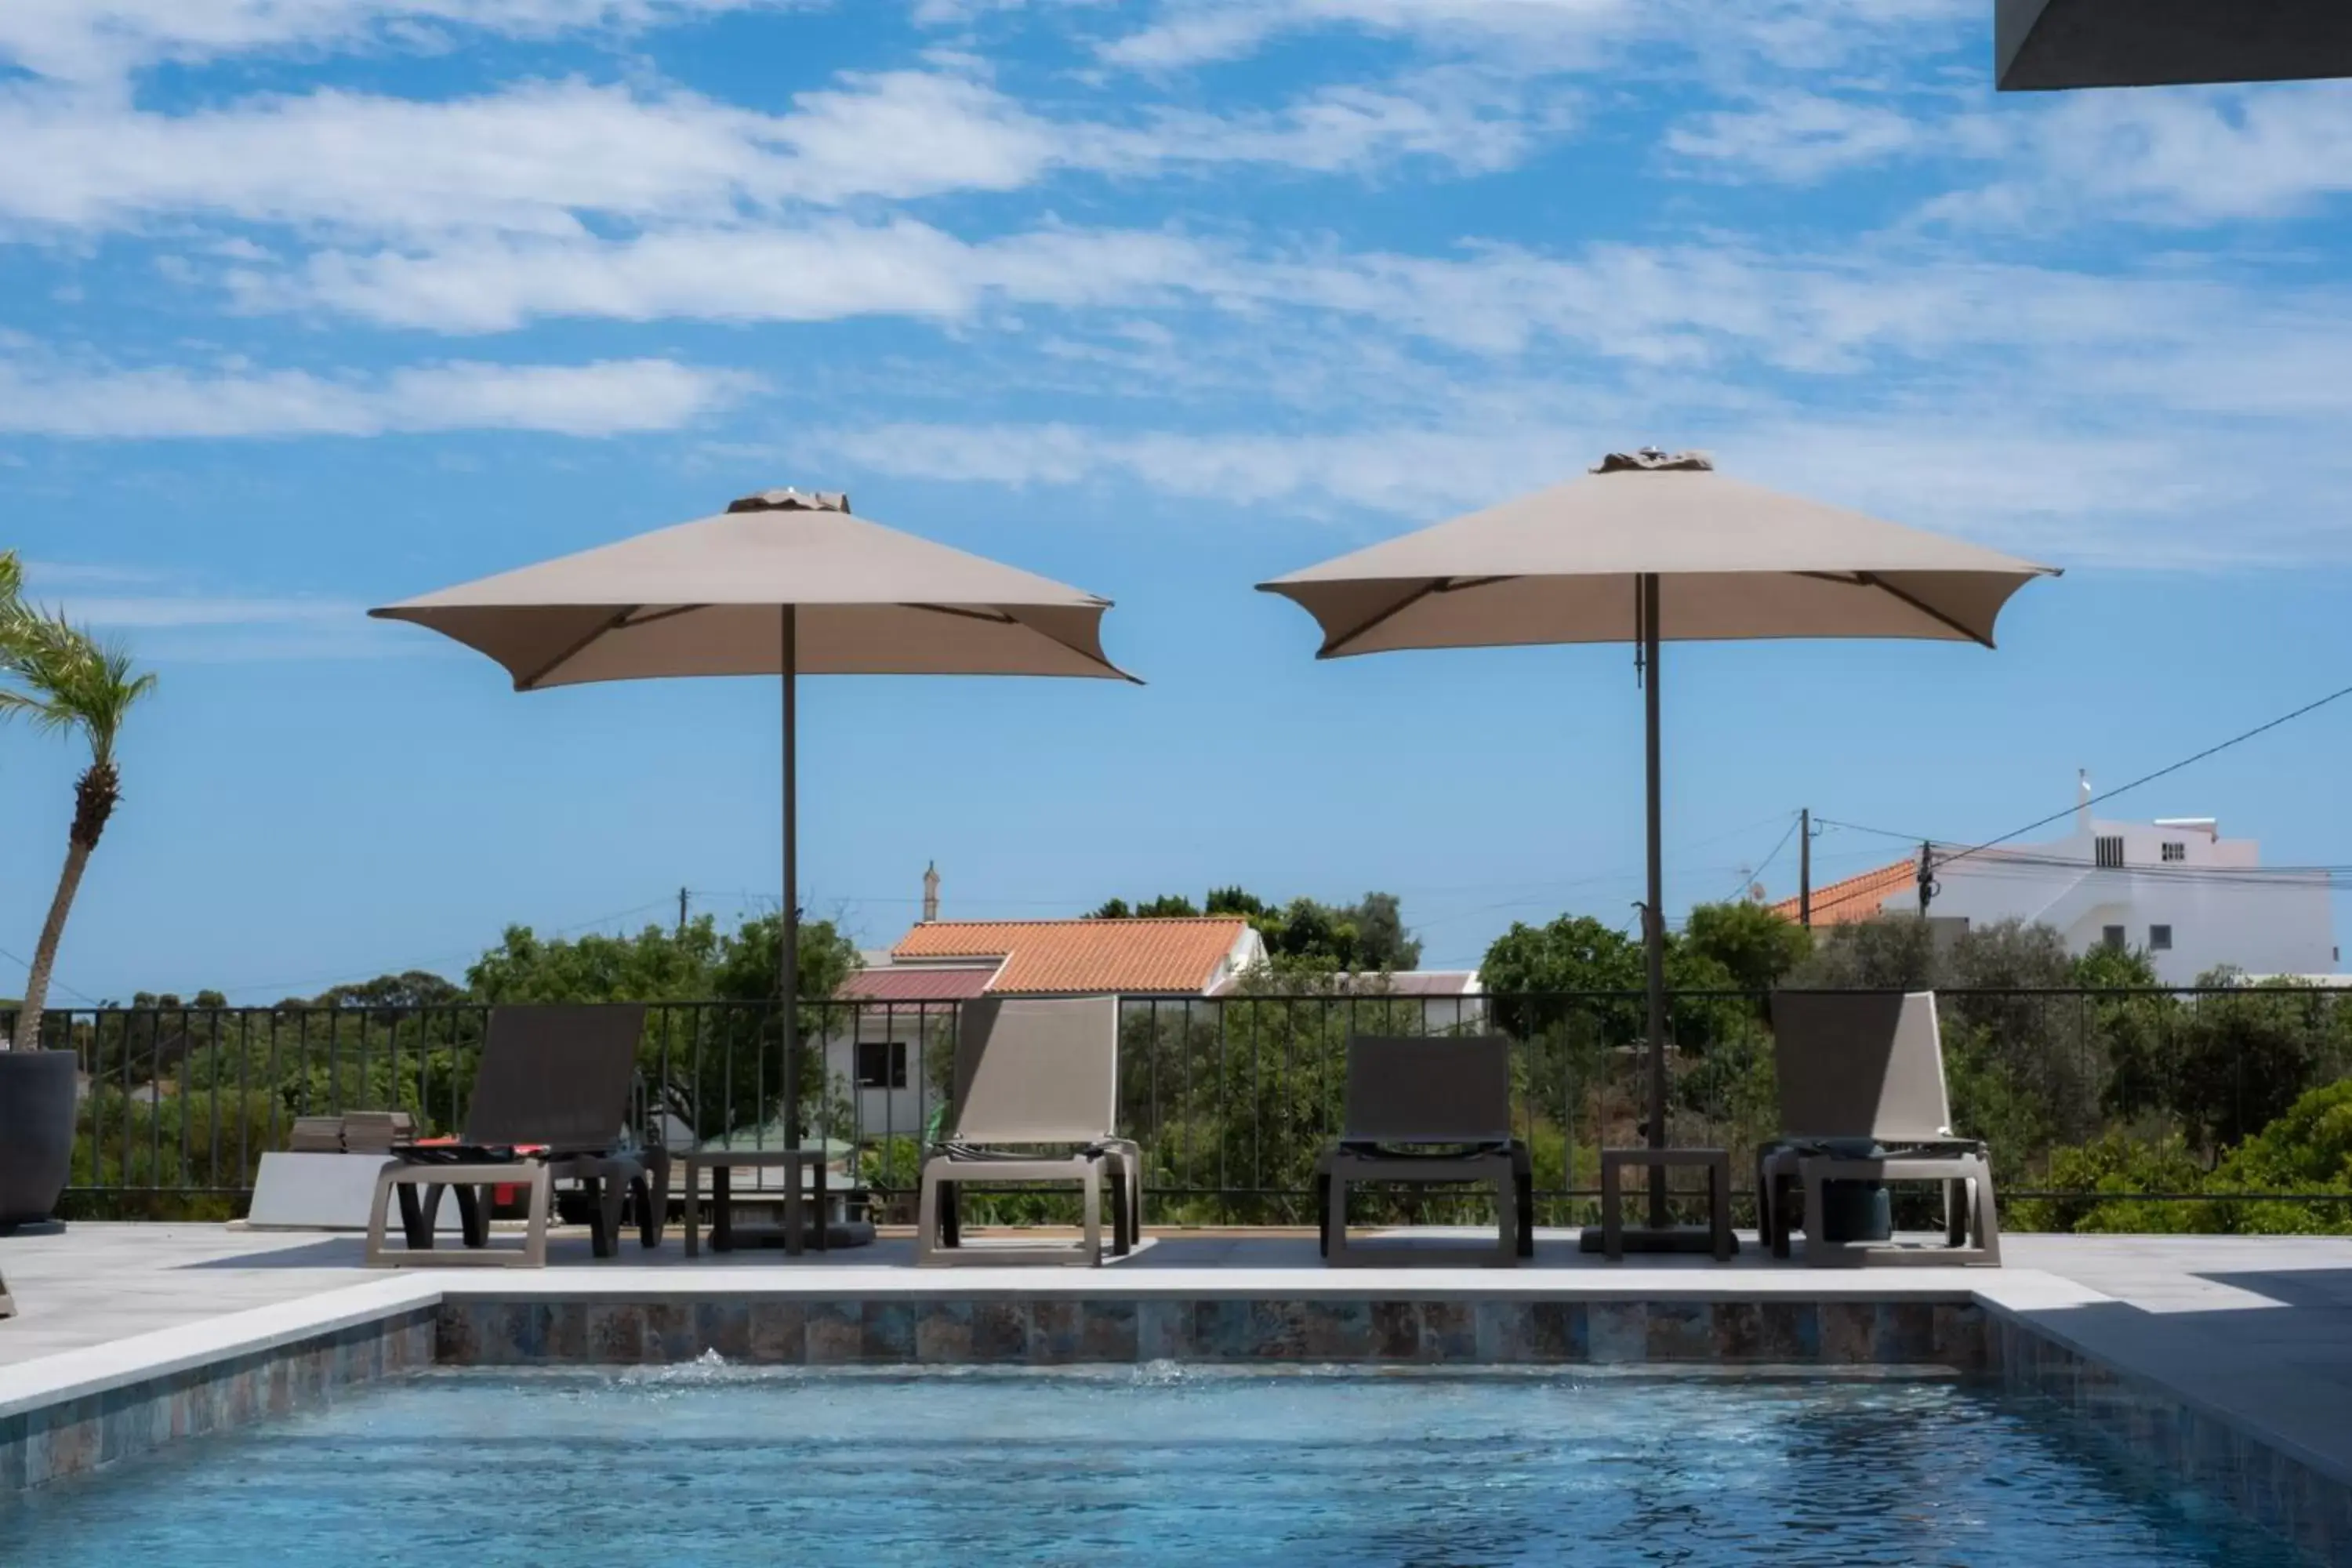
(1036, 1099)
(551, 1099)
(1862, 1099)
(1429, 1112)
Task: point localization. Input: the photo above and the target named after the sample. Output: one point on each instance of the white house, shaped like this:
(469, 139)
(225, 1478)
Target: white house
(2175, 888)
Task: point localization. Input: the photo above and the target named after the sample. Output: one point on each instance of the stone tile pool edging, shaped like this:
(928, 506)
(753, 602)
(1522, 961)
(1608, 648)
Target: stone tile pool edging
(81, 1411)
(1112, 1326)
(2263, 1476)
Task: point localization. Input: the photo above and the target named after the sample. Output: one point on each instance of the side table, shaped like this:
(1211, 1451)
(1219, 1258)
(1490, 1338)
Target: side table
(722, 1164)
(1717, 1162)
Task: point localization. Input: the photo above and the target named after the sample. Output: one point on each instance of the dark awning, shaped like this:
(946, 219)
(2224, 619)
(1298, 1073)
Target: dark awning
(2042, 44)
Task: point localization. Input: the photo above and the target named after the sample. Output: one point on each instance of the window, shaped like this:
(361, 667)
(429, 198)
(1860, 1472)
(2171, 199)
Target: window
(881, 1064)
(2110, 852)
(2112, 938)
(2174, 851)
(2159, 939)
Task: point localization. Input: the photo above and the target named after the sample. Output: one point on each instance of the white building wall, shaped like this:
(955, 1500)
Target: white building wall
(2266, 923)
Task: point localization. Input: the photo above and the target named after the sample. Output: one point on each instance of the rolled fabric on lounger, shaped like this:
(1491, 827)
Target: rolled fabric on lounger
(551, 1099)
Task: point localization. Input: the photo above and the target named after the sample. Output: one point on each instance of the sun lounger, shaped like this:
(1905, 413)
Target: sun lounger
(550, 1099)
(8, 1302)
(1862, 1099)
(1036, 1099)
(1428, 1112)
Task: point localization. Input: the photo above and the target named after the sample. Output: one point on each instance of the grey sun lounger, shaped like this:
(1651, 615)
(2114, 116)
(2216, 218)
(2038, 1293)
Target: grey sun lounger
(1036, 1099)
(1861, 1069)
(551, 1095)
(1428, 1112)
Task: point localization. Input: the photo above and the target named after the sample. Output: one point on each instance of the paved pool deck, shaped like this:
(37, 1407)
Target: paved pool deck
(2257, 1330)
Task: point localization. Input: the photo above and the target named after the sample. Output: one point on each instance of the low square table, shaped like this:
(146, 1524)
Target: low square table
(1717, 1163)
(722, 1164)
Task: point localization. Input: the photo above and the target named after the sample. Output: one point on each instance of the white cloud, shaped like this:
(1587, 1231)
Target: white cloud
(2184, 158)
(548, 157)
(170, 618)
(607, 398)
(1796, 137)
(97, 40)
(825, 272)
(531, 158)
(2193, 157)
(184, 610)
(2114, 498)
(1553, 35)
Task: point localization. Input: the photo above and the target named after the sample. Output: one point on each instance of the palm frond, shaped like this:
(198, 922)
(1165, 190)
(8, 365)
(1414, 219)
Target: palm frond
(67, 679)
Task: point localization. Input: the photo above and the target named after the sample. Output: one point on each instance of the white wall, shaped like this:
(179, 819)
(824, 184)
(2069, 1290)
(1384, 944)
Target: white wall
(2266, 924)
(888, 1112)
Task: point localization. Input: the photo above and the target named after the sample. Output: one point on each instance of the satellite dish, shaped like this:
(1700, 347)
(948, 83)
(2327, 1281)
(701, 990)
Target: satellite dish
(1755, 893)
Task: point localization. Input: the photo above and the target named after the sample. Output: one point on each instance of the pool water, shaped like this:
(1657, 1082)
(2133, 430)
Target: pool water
(699, 1466)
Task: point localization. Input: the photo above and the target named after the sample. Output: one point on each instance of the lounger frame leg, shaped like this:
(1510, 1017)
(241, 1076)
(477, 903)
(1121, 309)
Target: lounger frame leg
(929, 1241)
(398, 1178)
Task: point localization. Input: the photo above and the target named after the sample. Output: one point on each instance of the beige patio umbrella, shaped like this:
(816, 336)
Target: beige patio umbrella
(1646, 548)
(781, 584)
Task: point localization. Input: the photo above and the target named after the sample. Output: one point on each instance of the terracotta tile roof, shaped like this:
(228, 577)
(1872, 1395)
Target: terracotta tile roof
(1856, 897)
(1180, 956)
(922, 982)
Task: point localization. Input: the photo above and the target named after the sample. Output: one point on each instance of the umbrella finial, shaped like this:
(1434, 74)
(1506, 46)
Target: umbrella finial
(1650, 460)
(791, 500)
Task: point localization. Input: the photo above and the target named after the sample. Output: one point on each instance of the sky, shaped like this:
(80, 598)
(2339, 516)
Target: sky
(311, 305)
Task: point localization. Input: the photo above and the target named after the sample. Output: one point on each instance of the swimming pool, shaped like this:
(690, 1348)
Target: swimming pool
(704, 1465)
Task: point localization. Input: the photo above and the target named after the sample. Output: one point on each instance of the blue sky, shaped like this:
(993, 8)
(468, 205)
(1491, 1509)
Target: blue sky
(306, 305)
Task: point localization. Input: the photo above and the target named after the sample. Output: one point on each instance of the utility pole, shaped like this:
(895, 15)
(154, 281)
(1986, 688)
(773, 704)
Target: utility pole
(1927, 875)
(1805, 867)
(682, 896)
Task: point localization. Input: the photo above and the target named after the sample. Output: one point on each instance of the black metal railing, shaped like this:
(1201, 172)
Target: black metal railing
(1232, 1097)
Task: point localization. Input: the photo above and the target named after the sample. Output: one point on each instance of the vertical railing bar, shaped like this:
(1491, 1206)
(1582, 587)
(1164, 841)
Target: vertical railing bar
(212, 1177)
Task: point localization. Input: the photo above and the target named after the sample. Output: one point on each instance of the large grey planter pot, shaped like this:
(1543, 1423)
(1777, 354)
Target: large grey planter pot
(37, 1133)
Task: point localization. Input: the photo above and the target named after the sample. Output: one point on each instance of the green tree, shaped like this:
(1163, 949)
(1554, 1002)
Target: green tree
(2115, 1174)
(1167, 906)
(1304, 936)
(1889, 953)
(389, 993)
(2308, 1149)
(1755, 945)
(2241, 1059)
(67, 682)
(660, 964)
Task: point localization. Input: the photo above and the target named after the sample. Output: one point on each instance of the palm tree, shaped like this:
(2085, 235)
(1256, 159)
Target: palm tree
(66, 681)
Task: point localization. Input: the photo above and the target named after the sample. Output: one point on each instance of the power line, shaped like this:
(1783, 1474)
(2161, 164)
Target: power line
(53, 979)
(1749, 877)
(2150, 778)
(2169, 768)
(1881, 831)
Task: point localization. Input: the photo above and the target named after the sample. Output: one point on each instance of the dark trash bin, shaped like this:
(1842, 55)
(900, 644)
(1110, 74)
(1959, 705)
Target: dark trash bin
(1855, 1211)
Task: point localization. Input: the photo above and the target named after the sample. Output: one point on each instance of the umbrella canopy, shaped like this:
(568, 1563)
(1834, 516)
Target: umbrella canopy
(781, 583)
(1646, 548)
(1563, 566)
(702, 598)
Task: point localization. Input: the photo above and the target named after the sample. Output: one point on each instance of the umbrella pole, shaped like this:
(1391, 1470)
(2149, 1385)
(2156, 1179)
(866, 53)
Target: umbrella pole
(1653, 921)
(788, 976)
